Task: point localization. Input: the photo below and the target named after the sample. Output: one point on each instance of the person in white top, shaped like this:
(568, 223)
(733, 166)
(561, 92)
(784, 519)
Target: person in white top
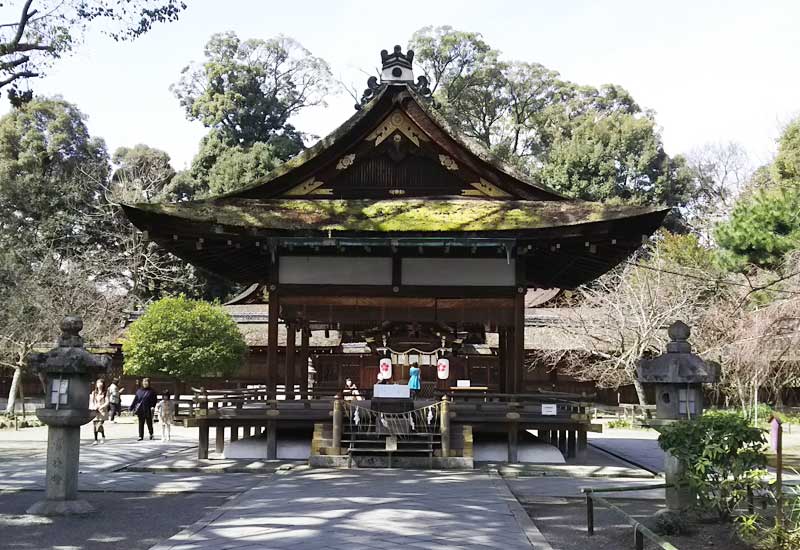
(98, 404)
(165, 409)
(114, 399)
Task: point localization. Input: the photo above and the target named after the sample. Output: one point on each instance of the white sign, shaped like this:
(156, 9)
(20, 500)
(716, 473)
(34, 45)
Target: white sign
(396, 391)
(462, 383)
(385, 368)
(443, 368)
(326, 270)
(549, 409)
(391, 443)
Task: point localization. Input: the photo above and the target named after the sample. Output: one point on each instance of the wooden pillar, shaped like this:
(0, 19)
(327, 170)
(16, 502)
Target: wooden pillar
(580, 452)
(272, 439)
(272, 341)
(202, 443)
(288, 379)
(571, 443)
(303, 360)
(502, 366)
(202, 427)
(518, 342)
(513, 442)
(444, 426)
(562, 442)
(235, 433)
(543, 436)
(219, 442)
(336, 436)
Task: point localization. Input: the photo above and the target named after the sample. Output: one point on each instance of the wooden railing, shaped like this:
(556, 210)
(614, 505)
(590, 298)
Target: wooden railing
(640, 531)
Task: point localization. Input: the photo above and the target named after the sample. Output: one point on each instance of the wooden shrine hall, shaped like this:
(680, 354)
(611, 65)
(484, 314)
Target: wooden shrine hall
(410, 237)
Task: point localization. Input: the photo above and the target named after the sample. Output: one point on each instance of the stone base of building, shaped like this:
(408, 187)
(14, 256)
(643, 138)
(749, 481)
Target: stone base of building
(380, 461)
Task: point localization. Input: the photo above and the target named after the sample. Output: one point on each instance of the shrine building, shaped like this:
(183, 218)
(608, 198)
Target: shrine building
(415, 244)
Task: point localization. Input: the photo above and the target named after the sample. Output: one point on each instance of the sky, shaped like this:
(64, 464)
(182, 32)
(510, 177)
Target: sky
(712, 71)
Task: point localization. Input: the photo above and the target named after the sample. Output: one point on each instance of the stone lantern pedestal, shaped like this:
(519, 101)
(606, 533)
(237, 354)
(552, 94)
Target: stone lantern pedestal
(678, 376)
(70, 370)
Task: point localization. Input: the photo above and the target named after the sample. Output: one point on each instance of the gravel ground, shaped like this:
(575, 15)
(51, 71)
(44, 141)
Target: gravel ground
(129, 521)
(563, 524)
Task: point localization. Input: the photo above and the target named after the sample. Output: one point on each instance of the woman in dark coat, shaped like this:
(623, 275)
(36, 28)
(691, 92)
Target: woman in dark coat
(142, 406)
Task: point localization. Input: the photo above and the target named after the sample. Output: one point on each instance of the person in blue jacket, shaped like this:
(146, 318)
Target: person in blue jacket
(413, 380)
(142, 406)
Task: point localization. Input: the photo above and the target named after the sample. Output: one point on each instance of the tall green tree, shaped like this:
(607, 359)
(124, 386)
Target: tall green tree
(786, 168)
(141, 269)
(616, 156)
(246, 92)
(47, 30)
(765, 222)
(590, 143)
(51, 173)
(51, 170)
(142, 174)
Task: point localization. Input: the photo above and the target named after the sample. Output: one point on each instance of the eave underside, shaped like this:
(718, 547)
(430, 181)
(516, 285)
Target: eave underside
(560, 256)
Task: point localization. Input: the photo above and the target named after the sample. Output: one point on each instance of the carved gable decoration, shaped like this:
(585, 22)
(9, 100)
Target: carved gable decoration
(483, 188)
(309, 187)
(381, 176)
(397, 121)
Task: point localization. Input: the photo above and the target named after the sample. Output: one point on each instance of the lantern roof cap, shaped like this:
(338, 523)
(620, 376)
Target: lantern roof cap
(678, 365)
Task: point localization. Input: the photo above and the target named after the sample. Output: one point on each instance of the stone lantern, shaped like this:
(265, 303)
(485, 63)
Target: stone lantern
(70, 371)
(679, 376)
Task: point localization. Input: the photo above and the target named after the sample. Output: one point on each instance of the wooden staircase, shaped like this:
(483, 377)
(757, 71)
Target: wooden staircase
(361, 447)
(375, 449)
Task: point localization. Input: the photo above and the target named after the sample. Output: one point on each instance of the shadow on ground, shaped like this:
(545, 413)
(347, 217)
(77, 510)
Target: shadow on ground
(387, 509)
(122, 521)
(563, 523)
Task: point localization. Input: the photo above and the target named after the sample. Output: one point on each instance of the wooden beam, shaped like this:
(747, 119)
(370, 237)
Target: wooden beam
(306, 292)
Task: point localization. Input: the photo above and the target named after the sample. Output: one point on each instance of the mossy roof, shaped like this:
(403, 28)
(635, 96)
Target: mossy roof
(387, 93)
(396, 216)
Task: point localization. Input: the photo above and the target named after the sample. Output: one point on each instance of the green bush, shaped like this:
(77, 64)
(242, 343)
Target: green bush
(724, 457)
(619, 424)
(183, 338)
(765, 534)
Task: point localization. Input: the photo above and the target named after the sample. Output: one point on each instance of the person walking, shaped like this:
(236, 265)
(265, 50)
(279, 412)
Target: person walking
(98, 404)
(114, 399)
(413, 380)
(142, 406)
(166, 415)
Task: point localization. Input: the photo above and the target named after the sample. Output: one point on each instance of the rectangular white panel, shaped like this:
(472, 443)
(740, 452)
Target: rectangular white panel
(393, 391)
(334, 270)
(458, 271)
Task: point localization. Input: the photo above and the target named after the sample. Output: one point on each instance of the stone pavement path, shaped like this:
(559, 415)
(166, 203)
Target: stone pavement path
(22, 463)
(383, 509)
(639, 447)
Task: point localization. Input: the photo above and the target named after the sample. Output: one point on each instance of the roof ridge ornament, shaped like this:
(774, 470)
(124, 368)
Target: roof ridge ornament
(396, 68)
